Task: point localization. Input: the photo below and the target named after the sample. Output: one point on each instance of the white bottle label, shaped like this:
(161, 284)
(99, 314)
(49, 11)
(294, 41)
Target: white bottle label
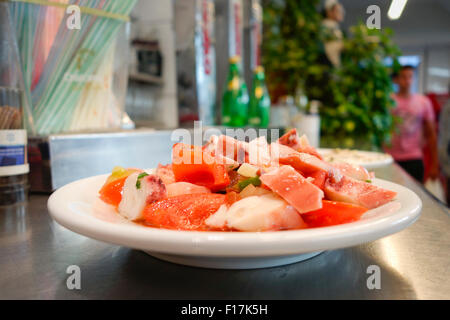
(13, 152)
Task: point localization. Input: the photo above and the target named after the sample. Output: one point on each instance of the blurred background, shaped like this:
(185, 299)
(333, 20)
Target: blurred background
(285, 37)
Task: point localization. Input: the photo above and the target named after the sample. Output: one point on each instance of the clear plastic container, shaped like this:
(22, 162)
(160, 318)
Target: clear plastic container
(77, 78)
(13, 137)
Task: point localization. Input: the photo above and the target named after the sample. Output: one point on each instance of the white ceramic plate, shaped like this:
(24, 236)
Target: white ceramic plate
(367, 159)
(76, 206)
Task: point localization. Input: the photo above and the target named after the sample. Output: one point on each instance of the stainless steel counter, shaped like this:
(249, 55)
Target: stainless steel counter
(35, 253)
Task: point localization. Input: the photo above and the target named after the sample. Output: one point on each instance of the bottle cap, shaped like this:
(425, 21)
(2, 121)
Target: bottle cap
(235, 59)
(259, 69)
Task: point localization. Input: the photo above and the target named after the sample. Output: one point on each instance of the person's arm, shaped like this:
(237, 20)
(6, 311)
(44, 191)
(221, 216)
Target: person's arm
(431, 140)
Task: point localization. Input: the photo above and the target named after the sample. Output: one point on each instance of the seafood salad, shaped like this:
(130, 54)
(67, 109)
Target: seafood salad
(232, 185)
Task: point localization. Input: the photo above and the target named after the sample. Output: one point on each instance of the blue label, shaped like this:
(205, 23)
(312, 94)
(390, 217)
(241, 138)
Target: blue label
(12, 155)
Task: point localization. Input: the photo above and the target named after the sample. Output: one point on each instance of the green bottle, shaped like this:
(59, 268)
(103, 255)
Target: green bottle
(259, 107)
(235, 98)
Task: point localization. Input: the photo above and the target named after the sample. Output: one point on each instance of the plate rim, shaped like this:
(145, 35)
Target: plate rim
(372, 165)
(224, 244)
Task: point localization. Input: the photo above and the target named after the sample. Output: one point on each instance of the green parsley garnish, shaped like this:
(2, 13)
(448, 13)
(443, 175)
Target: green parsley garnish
(369, 181)
(138, 181)
(254, 181)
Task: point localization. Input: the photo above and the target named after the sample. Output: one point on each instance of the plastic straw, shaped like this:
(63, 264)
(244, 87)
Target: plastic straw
(50, 52)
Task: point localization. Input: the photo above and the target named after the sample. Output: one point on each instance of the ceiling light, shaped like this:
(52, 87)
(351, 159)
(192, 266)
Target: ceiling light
(396, 9)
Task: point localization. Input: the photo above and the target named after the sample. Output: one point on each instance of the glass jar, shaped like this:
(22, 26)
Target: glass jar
(13, 137)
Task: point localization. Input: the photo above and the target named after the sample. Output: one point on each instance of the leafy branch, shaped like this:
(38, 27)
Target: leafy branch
(356, 97)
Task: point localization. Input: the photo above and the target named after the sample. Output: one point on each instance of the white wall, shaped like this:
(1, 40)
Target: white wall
(423, 30)
(423, 22)
(153, 19)
(438, 70)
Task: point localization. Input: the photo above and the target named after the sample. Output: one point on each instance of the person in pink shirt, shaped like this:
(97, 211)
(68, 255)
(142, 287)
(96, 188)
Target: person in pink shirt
(415, 130)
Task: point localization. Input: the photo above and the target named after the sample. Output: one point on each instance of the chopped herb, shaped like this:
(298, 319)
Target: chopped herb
(254, 181)
(369, 181)
(138, 181)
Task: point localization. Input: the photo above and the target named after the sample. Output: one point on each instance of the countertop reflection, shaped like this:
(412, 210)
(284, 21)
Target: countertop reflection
(35, 252)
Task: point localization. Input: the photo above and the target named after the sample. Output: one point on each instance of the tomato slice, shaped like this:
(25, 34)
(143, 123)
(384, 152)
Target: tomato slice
(319, 178)
(191, 164)
(183, 212)
(111, 192)
(333, 213)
